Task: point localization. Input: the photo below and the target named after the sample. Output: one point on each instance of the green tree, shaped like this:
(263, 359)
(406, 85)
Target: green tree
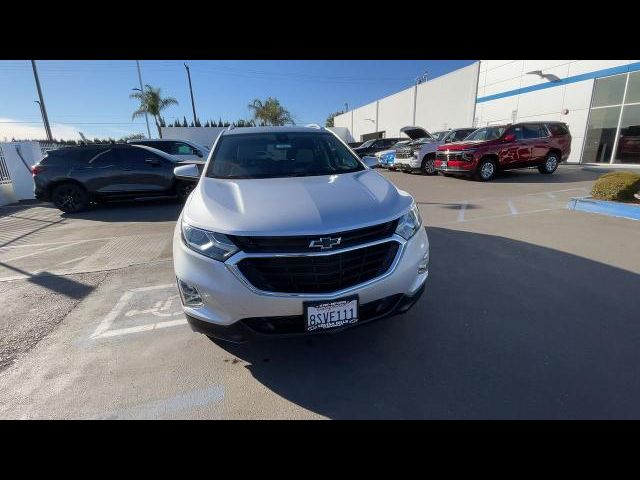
(329, 121)
(152, 102)
(270, 112)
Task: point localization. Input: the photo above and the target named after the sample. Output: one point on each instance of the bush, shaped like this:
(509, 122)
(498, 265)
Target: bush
(616, 186)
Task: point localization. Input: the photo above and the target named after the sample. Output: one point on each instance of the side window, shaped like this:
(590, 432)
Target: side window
(162, 146)
(557, 129)
(103, 159)
(534, 131)
(135, 158)
(180, 148)
(518, 131)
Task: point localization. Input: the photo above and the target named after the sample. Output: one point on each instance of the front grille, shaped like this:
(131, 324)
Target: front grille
(449, 156)
(319, 273)
(404, 153)
(295, 323)
(297, 244)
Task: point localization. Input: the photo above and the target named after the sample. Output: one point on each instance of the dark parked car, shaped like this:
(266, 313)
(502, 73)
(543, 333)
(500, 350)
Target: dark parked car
(375, 145)
(74, 177)
(504, 147)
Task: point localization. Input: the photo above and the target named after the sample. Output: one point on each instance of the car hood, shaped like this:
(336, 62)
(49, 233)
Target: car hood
(295, 206)
(415, 133)
(384, 152)
(466, 145)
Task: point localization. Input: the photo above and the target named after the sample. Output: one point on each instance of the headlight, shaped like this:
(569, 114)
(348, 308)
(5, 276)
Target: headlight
(211, 244)
(409, 223)
(388, 157)
(467, 155)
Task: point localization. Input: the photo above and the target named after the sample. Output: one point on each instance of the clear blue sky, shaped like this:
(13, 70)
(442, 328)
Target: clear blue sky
(92, 96)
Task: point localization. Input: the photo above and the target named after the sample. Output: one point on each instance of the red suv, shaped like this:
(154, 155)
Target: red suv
(505, 147)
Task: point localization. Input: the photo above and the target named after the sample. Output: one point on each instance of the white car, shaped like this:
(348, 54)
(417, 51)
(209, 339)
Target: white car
(181, 149)
(288, 232)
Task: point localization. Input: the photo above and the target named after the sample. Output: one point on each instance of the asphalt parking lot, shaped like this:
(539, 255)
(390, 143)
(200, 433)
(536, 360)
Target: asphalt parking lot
(531, 311)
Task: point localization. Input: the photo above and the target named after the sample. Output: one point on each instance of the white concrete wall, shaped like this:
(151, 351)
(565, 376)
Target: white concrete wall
(499, 76)
(203, 135)
(21, 187)
(444, 102)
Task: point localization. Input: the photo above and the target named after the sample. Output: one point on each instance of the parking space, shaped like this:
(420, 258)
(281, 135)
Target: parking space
(530, 312)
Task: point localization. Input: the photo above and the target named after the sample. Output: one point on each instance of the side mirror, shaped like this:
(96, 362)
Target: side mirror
(509, 138)
(448, 140)
(370, 162)
(187, 172)
(199, 153)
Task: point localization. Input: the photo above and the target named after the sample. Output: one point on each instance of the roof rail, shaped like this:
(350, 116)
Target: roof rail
(314, 125)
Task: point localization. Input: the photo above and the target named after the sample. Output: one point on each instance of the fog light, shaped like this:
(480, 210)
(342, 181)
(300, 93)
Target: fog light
(189, 295)
(423, 266)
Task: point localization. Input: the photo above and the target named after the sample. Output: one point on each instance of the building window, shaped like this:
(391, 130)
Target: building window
(613, 131)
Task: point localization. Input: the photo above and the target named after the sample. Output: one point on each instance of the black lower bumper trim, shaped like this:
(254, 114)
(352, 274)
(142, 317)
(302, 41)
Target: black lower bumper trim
(241, 331)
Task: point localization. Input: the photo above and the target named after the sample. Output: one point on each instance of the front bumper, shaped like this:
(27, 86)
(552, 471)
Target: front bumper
(456, 167)
(228, 298)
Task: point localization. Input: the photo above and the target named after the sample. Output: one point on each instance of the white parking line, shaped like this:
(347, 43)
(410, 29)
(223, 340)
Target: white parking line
(512, 207)
(72, 260)
(43, 251)
(103, 328)
(463, 207)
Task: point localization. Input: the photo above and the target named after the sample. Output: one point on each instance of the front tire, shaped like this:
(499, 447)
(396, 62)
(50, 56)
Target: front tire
(550, 164)
(486, 170)
(70, 197)
(428, 166)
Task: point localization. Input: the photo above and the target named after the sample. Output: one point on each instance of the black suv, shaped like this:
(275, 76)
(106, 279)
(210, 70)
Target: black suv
(375, 145)
(74, 177)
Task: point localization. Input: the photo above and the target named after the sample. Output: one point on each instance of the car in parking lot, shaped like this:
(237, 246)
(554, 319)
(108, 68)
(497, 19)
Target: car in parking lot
(74, 177)
(375, 145)
(182, 149)
(488, 150)
(386, 158)
(421, 157)
(289, 233)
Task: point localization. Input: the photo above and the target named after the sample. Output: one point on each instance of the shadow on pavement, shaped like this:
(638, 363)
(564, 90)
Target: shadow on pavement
(505, 329)
(562, 175)
(153, 210)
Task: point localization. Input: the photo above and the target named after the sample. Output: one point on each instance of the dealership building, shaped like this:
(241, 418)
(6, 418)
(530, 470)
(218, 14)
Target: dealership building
(598, 99)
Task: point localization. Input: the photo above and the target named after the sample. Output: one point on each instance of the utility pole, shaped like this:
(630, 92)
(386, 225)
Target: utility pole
(193, 105)
(146, 117)
(43, 110)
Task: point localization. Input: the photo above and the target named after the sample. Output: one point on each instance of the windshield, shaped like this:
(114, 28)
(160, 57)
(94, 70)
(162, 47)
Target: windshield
(486, 133)
(368, 143)
(402, 143)
(422, 140)
(440, 135)
(271, 155)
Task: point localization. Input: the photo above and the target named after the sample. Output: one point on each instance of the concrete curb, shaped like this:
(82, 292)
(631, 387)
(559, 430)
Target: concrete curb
(604, 207)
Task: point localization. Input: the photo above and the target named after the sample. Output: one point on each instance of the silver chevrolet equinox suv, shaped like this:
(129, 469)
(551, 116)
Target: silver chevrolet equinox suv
(288, 232)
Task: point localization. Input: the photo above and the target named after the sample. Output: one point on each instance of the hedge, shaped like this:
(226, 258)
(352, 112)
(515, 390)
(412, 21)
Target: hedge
(619, 186)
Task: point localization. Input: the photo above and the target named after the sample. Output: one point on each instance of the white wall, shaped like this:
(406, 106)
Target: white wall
(21, 186)
(499, 76)
(202, 135)
(444, 101)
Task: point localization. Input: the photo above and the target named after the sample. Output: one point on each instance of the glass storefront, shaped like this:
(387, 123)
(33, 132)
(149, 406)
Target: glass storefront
(613, 131)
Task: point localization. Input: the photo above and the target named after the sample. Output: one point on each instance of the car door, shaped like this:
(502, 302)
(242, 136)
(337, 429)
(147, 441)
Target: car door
(516, 152)
(539, 140)
(100, 171)
(145, 171)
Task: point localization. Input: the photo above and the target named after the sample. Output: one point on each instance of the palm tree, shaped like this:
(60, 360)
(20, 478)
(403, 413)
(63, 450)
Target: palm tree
(270, 112)
(151, 102)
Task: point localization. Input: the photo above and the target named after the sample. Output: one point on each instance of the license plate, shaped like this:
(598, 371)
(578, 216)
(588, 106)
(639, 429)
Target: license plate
(336, 313)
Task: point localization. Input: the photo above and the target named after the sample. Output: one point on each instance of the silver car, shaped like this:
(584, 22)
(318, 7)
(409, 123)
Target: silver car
(288, 232)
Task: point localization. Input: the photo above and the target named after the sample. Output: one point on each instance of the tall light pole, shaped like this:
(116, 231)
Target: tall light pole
(146, 118)
(43, 110)
(193, 105)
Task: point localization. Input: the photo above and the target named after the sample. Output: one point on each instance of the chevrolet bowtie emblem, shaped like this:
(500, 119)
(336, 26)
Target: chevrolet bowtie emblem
(325, 243)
